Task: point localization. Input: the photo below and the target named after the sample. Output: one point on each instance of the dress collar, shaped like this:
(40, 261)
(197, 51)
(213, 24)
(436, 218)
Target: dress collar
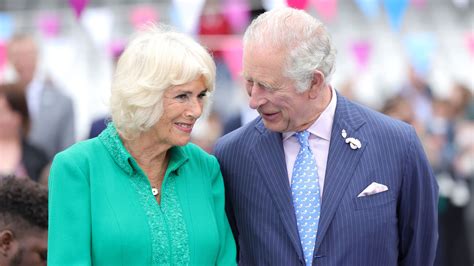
(114, 145)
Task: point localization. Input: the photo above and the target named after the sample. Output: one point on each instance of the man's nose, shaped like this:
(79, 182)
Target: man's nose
(256, 96)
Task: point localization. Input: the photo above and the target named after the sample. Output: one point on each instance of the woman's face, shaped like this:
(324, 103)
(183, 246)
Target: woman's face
(182, 106)
(10, 121)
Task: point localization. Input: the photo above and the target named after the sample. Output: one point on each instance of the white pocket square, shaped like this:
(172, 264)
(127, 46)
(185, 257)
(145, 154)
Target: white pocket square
(372, 189)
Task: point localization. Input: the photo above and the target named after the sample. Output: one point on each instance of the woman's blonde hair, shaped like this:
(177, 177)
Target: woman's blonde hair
(155, 60)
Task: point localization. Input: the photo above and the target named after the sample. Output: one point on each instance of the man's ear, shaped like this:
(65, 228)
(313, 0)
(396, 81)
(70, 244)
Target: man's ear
(6, 241)
(317, 83)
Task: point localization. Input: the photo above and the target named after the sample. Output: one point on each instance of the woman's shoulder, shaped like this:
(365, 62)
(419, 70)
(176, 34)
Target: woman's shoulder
(194, 152)
(82, 149)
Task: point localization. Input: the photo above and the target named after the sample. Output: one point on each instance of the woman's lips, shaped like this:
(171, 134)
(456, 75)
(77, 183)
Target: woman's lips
(185, 127)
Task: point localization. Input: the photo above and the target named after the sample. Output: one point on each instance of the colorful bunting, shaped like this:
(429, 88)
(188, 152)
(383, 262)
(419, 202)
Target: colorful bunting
(3, 55)
(299, 4)
(327, 9)
(142, 15)
(48, 24)
(418, 3)
(116, 48)
(470, 42)
(6, 26)
(395, 10)
(361, 51)
(78, 6)
(419, 49)
(370, 8)
(237, 13)
(232, 54)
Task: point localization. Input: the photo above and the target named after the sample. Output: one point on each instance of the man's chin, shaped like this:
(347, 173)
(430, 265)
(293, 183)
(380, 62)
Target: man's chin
(272, 126)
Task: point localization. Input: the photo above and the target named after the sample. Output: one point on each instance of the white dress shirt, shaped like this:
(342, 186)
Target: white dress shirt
(319, 140)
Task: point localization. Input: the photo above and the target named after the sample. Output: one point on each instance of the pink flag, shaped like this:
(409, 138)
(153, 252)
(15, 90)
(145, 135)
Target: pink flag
(48, 24)
(237, 13)
(142, 15)
(299, 4)
(3, 58)
(78, 6)
(418, 3)
(470, 42)
(327, 9)
(361, 51)
(232, 54)
(116, 48)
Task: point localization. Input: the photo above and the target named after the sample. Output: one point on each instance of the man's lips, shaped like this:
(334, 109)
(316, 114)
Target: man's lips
(270, 116)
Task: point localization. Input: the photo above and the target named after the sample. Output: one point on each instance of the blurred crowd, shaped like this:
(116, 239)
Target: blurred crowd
(37, 120)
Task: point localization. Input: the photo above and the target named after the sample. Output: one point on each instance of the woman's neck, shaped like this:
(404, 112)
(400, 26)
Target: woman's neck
(150, 155)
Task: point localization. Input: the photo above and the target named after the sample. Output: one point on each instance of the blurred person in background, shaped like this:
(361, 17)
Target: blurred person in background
(23, 222)
(140, 193)
(462, 99)
(206, 131)
(400, 108)
(17, 155)
(244, 114)
(99, 124)
(318, 179)
(51, 111)
(419, 94)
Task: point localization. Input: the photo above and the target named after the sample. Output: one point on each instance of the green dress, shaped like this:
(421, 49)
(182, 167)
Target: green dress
(102, 210)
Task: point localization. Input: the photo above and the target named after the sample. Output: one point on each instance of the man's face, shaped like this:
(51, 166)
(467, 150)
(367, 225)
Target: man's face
(30, 250)
(272, 94)
(23, 55)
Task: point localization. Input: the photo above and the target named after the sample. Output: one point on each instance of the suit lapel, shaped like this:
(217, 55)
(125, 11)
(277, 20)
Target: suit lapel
(341, 164)
(270, 158)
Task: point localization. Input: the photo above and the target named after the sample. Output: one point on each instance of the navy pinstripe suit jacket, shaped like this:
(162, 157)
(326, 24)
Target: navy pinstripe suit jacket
(395, 227)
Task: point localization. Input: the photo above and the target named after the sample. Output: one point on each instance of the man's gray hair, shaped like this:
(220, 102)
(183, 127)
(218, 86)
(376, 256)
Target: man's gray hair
(304, 38)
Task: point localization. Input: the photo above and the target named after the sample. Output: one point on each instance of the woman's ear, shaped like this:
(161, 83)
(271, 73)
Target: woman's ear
(317, 83)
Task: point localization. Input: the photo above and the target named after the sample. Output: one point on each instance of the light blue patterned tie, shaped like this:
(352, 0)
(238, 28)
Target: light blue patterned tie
(305, 193)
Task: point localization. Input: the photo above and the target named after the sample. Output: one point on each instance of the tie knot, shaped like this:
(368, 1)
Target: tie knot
(303, 138)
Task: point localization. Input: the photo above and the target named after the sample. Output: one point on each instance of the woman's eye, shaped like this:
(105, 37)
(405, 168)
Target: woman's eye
(182, 97)
(202, 95)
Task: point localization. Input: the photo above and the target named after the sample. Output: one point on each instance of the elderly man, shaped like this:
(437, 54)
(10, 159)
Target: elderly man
(23, 222)
(317, 179)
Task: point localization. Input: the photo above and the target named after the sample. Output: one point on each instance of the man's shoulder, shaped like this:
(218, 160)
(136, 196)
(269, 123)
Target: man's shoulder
(374, 118)
(378, 127)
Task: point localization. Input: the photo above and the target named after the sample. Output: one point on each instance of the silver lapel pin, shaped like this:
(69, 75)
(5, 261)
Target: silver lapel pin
(353, 142)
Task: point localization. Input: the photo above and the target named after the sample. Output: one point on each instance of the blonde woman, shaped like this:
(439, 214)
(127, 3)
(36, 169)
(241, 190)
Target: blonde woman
(140, 193)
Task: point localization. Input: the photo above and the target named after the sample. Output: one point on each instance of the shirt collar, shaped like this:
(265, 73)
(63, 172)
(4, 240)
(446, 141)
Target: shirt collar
(323, 125)
(112, 142)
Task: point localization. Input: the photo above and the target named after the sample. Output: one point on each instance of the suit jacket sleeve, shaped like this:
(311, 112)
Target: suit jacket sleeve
(418, 215)
(67, 133)
(227, 251)
(69, 235)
